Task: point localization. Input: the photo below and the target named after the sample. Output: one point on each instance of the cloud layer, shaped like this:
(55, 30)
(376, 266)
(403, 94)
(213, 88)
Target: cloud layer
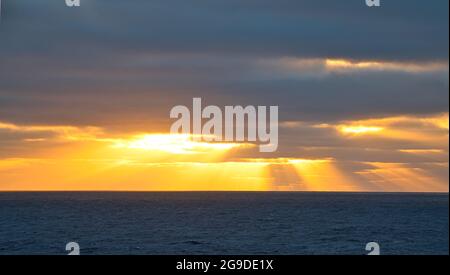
(112, 69)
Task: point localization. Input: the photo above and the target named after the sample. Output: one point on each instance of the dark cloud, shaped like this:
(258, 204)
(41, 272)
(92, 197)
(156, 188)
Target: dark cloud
(115, 62)
(408, 29)
(134, 90)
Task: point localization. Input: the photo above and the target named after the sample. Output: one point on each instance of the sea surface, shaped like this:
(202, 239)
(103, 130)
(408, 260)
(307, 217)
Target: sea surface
(223, 223)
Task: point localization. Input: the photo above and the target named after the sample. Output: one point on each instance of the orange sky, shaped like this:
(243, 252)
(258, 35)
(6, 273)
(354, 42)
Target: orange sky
(90, 158)
(362, 94)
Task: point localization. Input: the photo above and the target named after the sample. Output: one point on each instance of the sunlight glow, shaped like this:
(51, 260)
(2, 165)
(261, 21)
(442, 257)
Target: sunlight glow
(89, 158)
(441, 121)
(429, 129)
(322, 175)
(173, 143)
(402, 177)
(360, 129)
(347, 64)
(352, 65)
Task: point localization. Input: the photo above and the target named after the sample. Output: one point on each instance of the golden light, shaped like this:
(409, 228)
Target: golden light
(322, 175)
(440, 121)
(402, 177)
(173, 143)
(427, 130)
(347, 64)
(297, 174)
(352, 65)
(90, 158)
(61, 132)
(360, 129)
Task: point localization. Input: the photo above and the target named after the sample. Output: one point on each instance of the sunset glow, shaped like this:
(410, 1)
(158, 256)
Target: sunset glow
(175, 144)
(360, 129)
(278, 101)
(72, 157)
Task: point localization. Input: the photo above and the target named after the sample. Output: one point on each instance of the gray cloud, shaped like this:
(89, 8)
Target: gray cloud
(399, 30)
(119, 64)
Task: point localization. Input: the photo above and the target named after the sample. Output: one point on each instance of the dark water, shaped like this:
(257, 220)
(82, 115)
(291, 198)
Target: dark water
(223, 223)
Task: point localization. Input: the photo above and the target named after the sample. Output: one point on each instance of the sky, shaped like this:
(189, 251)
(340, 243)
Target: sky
(363, 94)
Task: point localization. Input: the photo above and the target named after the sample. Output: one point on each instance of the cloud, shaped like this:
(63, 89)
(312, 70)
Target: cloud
(362, 92)
(131, 62)
(142, 88)
(399, 30)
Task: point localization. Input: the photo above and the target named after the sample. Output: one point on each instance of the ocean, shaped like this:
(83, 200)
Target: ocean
(217, 223)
